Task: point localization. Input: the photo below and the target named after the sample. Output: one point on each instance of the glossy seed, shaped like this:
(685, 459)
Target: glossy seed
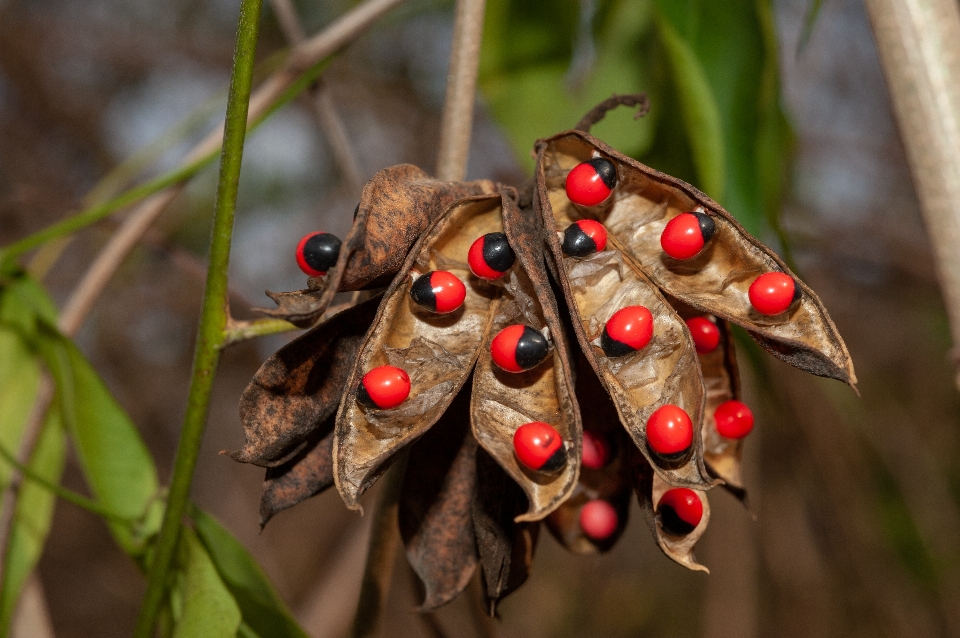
(685, 235)
(591, 182)
(539, 447)
(490, 256)
(438, 291)
(583, 238)
(680, 511)
(628, 330)
(598, 519)
(705, 333)
(773, 293)
(734, 419)
(317, 253)
(596, 450)
(383, 388)
(518, 347)
(669, 432)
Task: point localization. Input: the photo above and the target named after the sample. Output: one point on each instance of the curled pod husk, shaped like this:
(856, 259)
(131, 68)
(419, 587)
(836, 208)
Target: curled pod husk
(650, 488)
(300, 386)
(503, 401)
(716, 280)
(396, 206)
(436, 506)
(436, 351)
(505, 546)
(611, 483)
(665, 371)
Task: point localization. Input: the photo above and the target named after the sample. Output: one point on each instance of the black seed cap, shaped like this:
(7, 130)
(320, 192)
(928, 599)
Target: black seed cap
(321, 251)
(605, 169)
(672, 523)
(612, 347)
(577, 243)
(364, 399)
(532, 348)
(707, 226)
(422, 292)
(497, 252)
(556, 462)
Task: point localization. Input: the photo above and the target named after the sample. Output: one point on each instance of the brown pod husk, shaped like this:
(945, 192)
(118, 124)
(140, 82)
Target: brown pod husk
(436, 351)
(505, 546)
(307, 474)
(396, 206)
(300, 386)
(611, 483)
(665, 371)
(717, 280)
(436, 506)
(503, 401)
(650, 488)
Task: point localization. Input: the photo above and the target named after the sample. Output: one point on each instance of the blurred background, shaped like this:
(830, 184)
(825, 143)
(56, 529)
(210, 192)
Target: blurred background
(853, 525)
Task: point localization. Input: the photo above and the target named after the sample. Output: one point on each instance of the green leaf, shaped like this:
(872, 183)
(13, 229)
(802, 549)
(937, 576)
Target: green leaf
(32, 517)
(209, 609)
(263, 610)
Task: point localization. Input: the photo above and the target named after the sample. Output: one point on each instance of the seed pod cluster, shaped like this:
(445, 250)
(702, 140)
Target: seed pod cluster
(611, 288)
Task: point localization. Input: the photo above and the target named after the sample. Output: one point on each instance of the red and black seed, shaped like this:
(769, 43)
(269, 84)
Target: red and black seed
(317, 253)
(491, 256)
(518, 348)
(438, 291)
(583, 238)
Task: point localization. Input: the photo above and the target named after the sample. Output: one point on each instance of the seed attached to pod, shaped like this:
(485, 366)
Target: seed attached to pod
(383, 388)
(628, 330)
(598, 519)
(773, 292)
(518, 348)
(734, 419)
(539, 447)
(686, 234)
(583, 238)
(490, 257)
(680, 511)
(438, 291)
(669, 432)
(317, 253)
(591, 182)
(705, 333)
(596, 450)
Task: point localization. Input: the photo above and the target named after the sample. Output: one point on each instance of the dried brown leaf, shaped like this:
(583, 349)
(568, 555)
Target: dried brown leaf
(307, 474)
(300, 386)
(505, 546)
(715, 281)
(437, 351)
(436, 506)
(396, 206)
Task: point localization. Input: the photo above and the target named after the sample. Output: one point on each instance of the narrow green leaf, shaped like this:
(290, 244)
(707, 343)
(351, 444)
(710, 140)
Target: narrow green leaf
(209, 609)
(262, 608)
(32, 517)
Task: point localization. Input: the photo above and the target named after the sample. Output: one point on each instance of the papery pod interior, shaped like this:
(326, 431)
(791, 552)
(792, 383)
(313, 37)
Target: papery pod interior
(503, 401)
(714, 281)
(396, 206)
(436, 351)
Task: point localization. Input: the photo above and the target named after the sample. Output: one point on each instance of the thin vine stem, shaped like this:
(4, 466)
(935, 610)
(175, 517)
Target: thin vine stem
(213, 318)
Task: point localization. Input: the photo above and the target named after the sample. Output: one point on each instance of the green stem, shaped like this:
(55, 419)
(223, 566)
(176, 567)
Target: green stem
(238, 331)
(213, 318)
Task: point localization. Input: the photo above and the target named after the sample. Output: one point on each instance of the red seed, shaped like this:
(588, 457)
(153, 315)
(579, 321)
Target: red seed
(773, 292)
(596, 450)
(539, 447)
(490, 256)
(439, 291)
(598, 519)
(628, 330)
(583, 238)
(705, 333)
(734, 419)
(591, 182)
(384, 387)
(317, 253)
(685, 235)
(518, 348)
(680, 511)
(669, 431)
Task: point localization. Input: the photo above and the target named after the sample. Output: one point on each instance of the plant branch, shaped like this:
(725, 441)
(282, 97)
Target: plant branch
(457, 123)
(238, 331)
(213, 318)
(919, 46)
(598, 112)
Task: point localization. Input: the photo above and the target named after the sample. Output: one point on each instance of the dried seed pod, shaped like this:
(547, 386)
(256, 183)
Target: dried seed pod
(300, 386)
(436, 506)
(610, 482)
(504, 545)
(503, 401)
(397, 205)
(436, 351)
(650, 488)
(308, 473)
(718, 278)
(665, 371)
